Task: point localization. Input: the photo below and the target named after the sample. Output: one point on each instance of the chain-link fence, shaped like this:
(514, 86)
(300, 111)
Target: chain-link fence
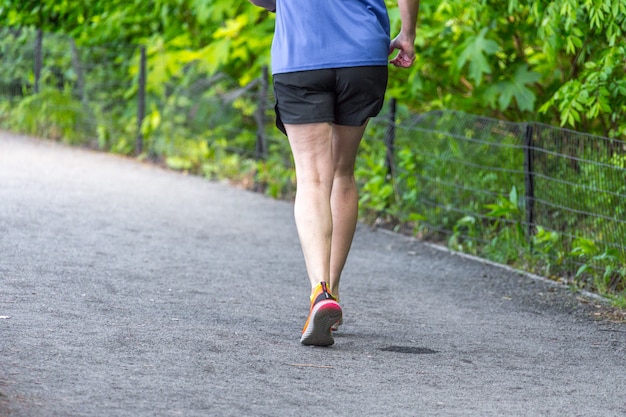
(538, 197)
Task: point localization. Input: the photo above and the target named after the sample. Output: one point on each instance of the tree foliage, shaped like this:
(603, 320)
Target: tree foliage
(561, 62)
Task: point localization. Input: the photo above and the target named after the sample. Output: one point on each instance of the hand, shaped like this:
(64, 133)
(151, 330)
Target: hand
(406, 52)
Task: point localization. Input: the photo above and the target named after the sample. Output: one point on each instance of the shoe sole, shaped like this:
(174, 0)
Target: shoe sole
(324, 315)
(335, 327)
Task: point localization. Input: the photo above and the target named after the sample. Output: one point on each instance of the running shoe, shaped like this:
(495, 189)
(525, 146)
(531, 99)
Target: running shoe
(324, 313)
(335, 327)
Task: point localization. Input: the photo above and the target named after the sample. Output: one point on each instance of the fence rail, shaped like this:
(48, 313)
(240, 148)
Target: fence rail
(543, 198)
(557, 195)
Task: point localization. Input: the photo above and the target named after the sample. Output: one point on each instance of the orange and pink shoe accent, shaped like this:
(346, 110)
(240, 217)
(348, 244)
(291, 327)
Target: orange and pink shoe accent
(325, 312)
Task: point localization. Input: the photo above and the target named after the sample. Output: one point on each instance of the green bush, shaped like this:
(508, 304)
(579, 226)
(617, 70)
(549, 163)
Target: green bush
(52, 114)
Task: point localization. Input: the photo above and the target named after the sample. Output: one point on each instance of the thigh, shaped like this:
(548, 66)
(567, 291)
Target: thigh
(346, 140)
(311, 146)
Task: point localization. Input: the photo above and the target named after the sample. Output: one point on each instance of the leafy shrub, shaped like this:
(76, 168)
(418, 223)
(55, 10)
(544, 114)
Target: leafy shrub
(53, 114)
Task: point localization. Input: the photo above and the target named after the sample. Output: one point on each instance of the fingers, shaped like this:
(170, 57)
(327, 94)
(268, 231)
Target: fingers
(406, 53)
(403, 60)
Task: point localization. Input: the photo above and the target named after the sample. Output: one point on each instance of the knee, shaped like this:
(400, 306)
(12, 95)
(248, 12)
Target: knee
(314, 181)
(344, 176)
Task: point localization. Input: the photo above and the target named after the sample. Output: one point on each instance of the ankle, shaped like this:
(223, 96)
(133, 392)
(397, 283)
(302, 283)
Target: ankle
(322, 287)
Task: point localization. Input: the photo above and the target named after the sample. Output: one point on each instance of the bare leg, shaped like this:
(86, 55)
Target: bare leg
(344, 198)
(326, 206)
(311, 146)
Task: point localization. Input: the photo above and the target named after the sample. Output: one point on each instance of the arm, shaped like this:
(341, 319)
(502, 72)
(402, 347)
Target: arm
(267, 4)
(405, 41)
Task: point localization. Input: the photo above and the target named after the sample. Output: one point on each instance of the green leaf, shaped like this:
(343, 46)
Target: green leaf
(513, 197)
(517, 88)
(475, 51)
(581, 270)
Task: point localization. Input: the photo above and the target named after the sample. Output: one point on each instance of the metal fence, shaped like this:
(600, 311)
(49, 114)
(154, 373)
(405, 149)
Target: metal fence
(543, 198)
(514, 190)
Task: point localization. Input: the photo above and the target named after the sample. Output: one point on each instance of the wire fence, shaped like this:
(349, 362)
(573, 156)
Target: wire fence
(554, 197)
(541, 198)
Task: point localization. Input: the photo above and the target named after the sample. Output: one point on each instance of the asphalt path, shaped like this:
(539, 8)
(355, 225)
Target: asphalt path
(130, 290)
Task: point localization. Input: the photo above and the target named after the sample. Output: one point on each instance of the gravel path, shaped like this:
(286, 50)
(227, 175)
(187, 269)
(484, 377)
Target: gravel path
(128, 290)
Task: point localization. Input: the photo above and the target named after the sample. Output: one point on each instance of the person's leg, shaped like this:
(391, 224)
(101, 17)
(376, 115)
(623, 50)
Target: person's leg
(311, 146)
(344, 198)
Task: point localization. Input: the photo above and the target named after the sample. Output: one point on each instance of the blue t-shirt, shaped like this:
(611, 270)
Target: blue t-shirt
(318, 34)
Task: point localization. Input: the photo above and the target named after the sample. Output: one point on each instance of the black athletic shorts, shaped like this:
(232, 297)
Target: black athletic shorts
(343, 96)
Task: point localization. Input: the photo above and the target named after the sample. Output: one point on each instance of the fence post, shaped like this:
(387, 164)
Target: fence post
(141, 101)
(261, 141)
(78, 69)
(38, 58)
(390, 137)
(529, 181)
